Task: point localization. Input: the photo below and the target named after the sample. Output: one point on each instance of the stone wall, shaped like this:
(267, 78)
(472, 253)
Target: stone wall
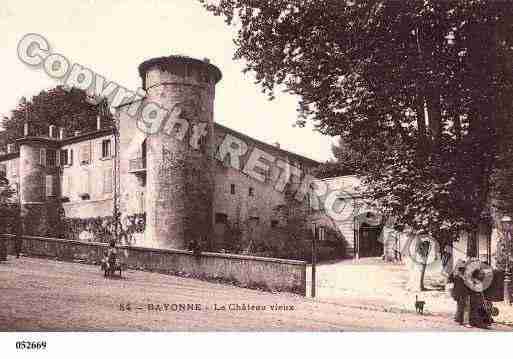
(254, 212)
(250, 272)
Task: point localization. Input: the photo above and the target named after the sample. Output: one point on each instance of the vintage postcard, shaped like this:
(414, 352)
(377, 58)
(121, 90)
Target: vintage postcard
(255, 166)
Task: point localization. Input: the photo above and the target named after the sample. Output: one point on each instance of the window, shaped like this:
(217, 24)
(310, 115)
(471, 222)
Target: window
(251, 192)
(232, 188)
(85, 154)
(51, 158)
(203, 144)
(42, 156)
(221, 218)
(106, 149)
(268, 175)
(274, 223)
(67, 157)
(3, 170)
(49, 186)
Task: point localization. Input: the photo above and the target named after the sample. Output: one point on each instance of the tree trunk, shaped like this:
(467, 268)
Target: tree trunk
(422, 276)
(417, 264)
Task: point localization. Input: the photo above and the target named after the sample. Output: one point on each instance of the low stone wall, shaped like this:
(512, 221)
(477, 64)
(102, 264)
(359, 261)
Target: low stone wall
(245, 271)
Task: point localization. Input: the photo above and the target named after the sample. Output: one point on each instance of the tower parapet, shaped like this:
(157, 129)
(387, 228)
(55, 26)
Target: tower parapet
(180, 183)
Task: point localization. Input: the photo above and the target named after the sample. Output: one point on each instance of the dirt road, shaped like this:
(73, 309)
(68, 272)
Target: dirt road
(39, 294)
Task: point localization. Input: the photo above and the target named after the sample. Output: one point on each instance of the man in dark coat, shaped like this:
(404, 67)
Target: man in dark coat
(460, 292)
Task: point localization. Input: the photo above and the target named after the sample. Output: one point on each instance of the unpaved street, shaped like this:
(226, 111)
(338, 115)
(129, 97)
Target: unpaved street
(39, 294)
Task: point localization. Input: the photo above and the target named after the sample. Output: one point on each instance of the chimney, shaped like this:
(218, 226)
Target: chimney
(52, 131)
(98, 122)
(61, 133)
(25, 129)
(277, 145)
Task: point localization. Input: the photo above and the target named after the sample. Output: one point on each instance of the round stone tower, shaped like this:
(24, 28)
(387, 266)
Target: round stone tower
(39, 208)
(180, 183)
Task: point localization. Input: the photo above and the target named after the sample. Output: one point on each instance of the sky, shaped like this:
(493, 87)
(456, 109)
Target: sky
(112, 37)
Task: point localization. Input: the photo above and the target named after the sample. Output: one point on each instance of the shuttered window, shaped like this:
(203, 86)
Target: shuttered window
(85, 154)
(66, 157)
(51, 160)
(105, 148)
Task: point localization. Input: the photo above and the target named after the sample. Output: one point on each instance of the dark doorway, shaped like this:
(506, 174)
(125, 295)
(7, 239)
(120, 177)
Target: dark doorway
(369, 244)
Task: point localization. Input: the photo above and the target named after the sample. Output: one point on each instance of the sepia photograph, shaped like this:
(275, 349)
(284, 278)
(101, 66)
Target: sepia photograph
(342, 167)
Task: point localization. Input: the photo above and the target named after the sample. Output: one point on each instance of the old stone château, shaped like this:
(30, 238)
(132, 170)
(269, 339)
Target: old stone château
(181, 176)
(186, 192)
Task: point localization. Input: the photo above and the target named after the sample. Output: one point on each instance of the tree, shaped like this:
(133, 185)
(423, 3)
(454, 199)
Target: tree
(345, 162)
(421, 88)
(502, 177)
(67, 109)
(8, 205)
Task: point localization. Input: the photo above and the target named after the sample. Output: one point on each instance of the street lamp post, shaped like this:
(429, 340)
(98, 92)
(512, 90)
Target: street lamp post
(314, 258)
(506, 227)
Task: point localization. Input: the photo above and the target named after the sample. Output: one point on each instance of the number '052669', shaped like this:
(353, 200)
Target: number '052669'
(27, 345)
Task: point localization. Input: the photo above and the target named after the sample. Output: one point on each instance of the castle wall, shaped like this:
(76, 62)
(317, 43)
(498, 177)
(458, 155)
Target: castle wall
(253, 213)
